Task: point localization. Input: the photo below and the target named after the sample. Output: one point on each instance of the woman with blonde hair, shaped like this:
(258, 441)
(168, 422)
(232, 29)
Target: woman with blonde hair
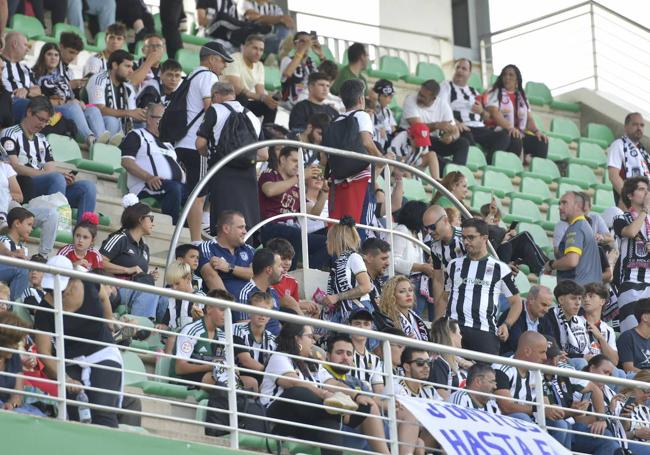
(396, 309)
(456, 183)
(349, 283)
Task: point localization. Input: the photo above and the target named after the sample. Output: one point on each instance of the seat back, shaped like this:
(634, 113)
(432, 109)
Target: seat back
(134, 371)
(558, 149)
(394, 65)
(545, 167)
(469, 175)
(62, 27)
(426, 70)
(188, 59)
(582, 172)
(497, 180)
(272, 78)
(602, 132)
(507, 160)
(28, 26)
(535, 186)
(525, 208)
(538, 91)
(64, 149)
(565, 126)
(475, 158)
(107, 154)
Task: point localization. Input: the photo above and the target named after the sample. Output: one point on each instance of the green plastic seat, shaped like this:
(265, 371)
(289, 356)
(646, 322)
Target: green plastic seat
(31, 28)
(108, 156)
(189, 59)
(165, 366)
(550, 281)
(414, 190)
(23, 313)
(62, 27)
(201, 413)
(480, 198)
(539, 122)
(581, 175)
(523, 210)
(64, 149)
(506, 163)
(565, 129)
(591, 155)
(543, 169)
(195, 40)
(565, 187)
(272, 78)
(134, 372)
(425, 71)
(603, 199)
(476, 158)
(469, 175)
(599, 134)
(552, 217)
(538, 234)
(475, 81)
(391, 68)
(157, 24)
(558, 150)
(535, 190)
(521, 280)
(538, 93)
(497, 182)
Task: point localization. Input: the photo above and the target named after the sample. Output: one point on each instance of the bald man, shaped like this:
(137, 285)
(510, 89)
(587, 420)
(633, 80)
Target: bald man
(17, 77)
(446, 244)
(537, 304)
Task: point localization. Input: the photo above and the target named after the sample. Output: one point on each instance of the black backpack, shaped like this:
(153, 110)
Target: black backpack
(344, 134)
(237, 132)
(173, 124)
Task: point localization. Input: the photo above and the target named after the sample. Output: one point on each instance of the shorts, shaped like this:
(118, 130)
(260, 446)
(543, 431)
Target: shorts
(195, 166)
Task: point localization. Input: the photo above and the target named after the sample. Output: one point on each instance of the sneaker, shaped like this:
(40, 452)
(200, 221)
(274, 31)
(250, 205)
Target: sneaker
(103, 138)
(342, 401)
(182, 25)
(205, 232)
(116, 140)
(90, 140)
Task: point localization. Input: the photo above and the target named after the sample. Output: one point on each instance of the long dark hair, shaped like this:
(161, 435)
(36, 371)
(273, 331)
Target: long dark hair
(286, 342)
(132, 215)
(519, 91)
(39, 68)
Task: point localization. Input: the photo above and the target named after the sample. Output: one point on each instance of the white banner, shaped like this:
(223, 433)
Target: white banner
(465, 431)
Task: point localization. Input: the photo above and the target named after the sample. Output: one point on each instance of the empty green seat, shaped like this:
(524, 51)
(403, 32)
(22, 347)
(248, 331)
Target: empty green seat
(469, 175)
(475, 82)
(552, 217)
(479, 199)
(425, 71)
(565, 187)
(497, 182)
(603, 199)
(108, 156)
(558, 150)
(582, 176)
(475, 158)
(564, 129)
(535, 190)
(521, 280)
(523, 210)
(134, 372)
(550, 281)
(189, 59)
(599, 134)
(538, 234)
(541, 125)
(591, 155)
(30, 27)
(538, 93)
(64, 149)
(507, 163)
(272, 78)
(391, 68)
(414, 190)
(543, 169)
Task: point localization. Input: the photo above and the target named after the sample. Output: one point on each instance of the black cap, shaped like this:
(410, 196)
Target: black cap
(384, 87)
(552, 348)
(360, 314)
(215, 48)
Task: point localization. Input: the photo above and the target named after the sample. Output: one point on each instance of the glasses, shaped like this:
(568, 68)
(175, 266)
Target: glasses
(470, 238)
(41, 119)
(154, 46)
(421, 362)
(432, 227)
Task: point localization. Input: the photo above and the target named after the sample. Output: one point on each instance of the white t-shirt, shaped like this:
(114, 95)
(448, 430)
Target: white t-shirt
(608, 333)
(200, 88)
(249, 77)
(341, 280)
(279, 364)
(95, 64)
(6, 172)
(630, 160)
(439, 111)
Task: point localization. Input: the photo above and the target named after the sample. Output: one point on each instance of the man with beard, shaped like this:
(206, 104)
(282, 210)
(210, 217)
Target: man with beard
(313, 134)
(376, 256)
(480, 378)
(626, 157)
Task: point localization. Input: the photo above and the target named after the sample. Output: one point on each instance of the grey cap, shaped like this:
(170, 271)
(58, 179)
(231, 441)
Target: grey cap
(215, 48)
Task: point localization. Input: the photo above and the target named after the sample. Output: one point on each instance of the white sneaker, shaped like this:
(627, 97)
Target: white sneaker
(103, 138)
(342, 401)
(205, 232)
(116, 140)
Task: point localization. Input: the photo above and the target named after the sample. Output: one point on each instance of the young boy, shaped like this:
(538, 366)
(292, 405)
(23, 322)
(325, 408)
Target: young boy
(189, 254)
(601, 336)
(34, 293)
(384, 121)
(368, 367)
(170, 79)
(253, 334)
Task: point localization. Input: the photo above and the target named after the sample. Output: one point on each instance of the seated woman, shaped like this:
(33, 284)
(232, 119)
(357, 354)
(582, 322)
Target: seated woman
(456, 183)
(55, 85)
(509, 110)
(637, 428)
(83, 298)
(447, 369)
(396, 309)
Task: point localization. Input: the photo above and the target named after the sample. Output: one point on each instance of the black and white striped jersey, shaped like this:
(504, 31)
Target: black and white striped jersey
(243, 336)
(461, 100)
(342, 278)
(640, 418)
(369, 368)
(474, 288)
(34, 152)
(426, 391)
(463, 398)
(633, 263)
(508, 378)
(443, 253)
(16, 75)
(263, 9)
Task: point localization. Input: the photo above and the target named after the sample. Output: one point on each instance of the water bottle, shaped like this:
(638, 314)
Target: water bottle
(84, 411)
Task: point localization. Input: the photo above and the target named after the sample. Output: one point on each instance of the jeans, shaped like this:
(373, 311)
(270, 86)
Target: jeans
(27, 409)
(171, 200)
(48, 221)
(19, 108)
(16, 278)
(81, 195)
(144, 304)
(586, 443)
(113, 124)
(560, 436)
(88, 121)
(318, 257)
(272, 40)
(103, 9)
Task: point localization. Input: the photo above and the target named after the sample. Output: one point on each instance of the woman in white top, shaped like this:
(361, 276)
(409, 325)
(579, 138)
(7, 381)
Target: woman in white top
(317, 193)
(409, 256)
(396, 309)
(290, 378)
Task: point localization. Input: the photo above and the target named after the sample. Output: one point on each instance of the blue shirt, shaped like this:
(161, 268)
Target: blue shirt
(243, 257)
(244, 296)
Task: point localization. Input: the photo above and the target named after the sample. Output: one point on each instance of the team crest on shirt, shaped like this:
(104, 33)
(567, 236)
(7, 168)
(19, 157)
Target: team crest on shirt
(186, 347)
(634, 153)
(489, 268)
(243, 255)
(457, 250)
(9, 145)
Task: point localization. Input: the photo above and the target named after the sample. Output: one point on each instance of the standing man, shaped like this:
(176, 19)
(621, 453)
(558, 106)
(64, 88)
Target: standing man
(626, 157)
(474, 284)
(213, 59)
(357, 63)
(578, 259)
(170, 16)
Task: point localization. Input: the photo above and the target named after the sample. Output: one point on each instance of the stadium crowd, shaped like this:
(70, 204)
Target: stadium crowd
(172, 127)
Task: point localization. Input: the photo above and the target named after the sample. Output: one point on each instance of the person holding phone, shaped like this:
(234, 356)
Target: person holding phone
(631, 404)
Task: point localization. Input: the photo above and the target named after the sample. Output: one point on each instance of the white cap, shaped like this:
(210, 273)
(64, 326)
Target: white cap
(609, 214)
(61, 262)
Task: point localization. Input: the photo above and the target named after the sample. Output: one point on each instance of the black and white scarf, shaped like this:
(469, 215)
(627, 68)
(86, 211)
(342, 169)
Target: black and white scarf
(574, 337)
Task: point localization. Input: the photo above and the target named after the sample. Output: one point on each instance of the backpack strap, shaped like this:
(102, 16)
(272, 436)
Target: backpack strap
(189, 81)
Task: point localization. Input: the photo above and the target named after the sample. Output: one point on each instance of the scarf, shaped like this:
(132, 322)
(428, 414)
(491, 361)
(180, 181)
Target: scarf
(574, 338)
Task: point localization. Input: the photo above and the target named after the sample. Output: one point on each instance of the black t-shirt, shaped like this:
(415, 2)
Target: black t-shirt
(301, 112)
(79, 327)
(121, 249)
(12, 365)
(441, 374)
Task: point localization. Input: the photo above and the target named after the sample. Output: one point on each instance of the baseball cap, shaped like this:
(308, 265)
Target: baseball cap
(384, 87)
(215, 48)
(420, 134)
(61, 262)
(552, 349)
(360, 314)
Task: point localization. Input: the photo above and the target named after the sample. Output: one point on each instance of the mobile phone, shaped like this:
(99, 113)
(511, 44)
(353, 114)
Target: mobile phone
(629, 402)
(314, 34)
(513, 225)
(74, 172)
(586, 396)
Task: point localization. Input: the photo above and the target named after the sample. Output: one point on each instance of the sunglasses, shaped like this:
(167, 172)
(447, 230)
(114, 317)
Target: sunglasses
(421, 362)
(432, 227)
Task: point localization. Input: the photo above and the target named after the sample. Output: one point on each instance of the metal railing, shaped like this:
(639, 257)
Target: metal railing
(600, 49)
(387, 398)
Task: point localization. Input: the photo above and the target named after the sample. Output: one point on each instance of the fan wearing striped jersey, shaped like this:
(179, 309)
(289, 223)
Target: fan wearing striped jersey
(481, 378)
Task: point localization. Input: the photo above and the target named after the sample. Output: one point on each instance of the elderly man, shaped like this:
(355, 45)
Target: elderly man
(537, 304)
(151, 165)
(17, 77)
(578, 257)
(626, 156)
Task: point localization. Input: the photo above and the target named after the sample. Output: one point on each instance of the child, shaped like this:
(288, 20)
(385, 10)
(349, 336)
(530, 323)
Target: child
(34, 293)
(189, 254)
(181, 312)
(384, 121)
(254, 335)
(601, 336)
(368, 367)
(20, 223)
(4, 297)
(81, 252)
(170, 79)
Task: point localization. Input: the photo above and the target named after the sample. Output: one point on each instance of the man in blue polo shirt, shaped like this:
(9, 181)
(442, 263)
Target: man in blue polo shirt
(225, 262)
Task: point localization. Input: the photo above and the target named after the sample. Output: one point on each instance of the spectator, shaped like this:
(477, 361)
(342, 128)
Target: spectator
(317, 194)
(31, 157)
(636, 415)
(578, 258)
(297, 66)
(353, 195)
(516, 384)
(152, 167)
(17, 78)
(331, 70)
(221, 22)
(537, 304)
(429, 108)
(456, 183)
(376, 256)
(445, 242)
(179, 313)
(190, 254)
(267, 271)
(597, 223)
(416, 366)
(115, 97)
(384, 120)
(409, 256)
(474, 275)
(55, 86)
(147, 70)
(267, 13)
(288, 288)
(83, 298)
(70, 45)
(246, 74)
(103, 9)
(626, 155)
(213, 59)
(447, 370)
(170, 78)
(34, 292)
(358, 61)
(601, 336)
(396, 309)
(633, 234)
(278, 194)
(238, 176)
(508, 90)
(82, 252)
(114, 40)
(318, 86)
(137, 17)
(368, 367)
(465, 103)
(313, 134)
(480, 378)
(634, 344)
(225, 261)
(348, 282)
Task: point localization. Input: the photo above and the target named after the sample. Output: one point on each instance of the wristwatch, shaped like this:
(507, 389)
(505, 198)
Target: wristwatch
(231, 267)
